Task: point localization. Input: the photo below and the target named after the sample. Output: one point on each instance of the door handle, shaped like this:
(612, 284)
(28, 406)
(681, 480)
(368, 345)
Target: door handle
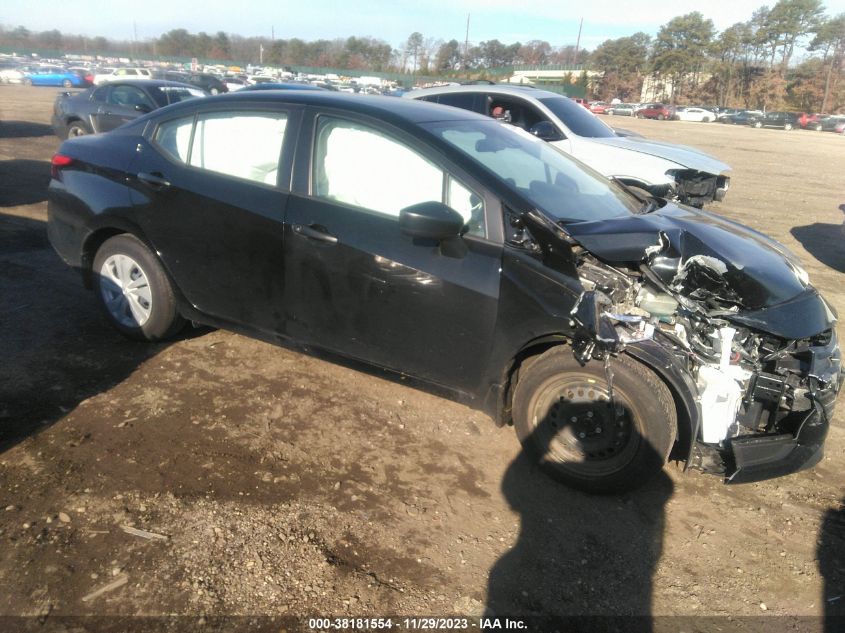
(315, 232)
(154, 180)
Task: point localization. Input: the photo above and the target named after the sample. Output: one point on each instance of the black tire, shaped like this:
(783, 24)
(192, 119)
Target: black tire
(787, 126)
(67, 83)
(758, 124)
(163, 319)
(817, 127)
(27, 81)
(77, 128)
(565, 420)
(660, 117)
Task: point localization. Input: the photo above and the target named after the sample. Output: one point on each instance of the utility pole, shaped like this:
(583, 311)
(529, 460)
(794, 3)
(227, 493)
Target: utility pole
(272, 33)
(261, 53)
(578, 41)
(134, 40)
(466, 47)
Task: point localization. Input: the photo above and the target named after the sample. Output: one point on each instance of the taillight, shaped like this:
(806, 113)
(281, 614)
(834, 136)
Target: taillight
(59, 161)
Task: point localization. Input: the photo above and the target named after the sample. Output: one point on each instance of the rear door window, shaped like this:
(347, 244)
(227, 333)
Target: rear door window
(245, 145)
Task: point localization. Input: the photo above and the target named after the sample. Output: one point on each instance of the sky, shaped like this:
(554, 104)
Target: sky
(506, 20)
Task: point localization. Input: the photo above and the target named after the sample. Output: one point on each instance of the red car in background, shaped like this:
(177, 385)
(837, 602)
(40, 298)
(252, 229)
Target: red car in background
(583, 102)
(809, 121)
(654, 111)
(599, 107)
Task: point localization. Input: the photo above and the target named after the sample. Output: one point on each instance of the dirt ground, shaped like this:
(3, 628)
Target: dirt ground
(282, 484)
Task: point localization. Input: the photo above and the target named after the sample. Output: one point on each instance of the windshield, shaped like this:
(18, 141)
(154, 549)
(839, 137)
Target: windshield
(565, 189)
(577, 118)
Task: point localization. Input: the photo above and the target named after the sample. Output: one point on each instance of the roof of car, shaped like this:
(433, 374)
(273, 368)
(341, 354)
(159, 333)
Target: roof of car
(505, 89)
(146, 83)
(373, 105)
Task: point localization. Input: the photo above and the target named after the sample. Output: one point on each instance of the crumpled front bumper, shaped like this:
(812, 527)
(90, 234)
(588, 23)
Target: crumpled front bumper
(759, 457)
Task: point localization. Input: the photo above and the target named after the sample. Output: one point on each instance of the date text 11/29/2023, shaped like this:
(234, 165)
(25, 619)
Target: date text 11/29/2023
(416, 623)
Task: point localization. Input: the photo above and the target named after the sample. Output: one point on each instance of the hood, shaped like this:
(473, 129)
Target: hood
(722, 266)
(686, 156)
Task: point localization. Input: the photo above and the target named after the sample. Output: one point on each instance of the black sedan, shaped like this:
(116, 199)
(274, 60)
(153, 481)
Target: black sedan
(103, 108)
(612, 329)
(204, 81)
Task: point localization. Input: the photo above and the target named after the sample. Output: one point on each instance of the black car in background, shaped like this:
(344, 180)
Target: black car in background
(103, 108)
(211, 84)
(783, 120)
(613, 330)
(743, 117)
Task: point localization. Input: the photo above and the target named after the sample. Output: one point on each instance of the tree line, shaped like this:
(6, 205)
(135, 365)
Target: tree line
(787, 56)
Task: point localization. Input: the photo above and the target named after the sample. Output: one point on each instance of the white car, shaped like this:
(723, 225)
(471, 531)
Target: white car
(15, 75)
(119, 74)
(663, 169)
(694, 114)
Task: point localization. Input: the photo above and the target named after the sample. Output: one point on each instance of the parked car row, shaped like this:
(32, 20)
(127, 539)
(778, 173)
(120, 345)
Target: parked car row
(47, 75)
(785, 120)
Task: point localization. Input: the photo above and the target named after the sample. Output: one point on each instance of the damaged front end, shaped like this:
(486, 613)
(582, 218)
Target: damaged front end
(733, 311)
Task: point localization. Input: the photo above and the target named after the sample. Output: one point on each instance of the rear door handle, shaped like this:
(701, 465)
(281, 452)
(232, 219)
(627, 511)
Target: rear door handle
(315, 232)
(155, 180)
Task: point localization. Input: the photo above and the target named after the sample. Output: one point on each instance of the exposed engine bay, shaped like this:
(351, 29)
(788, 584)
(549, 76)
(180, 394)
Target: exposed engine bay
(749, 382)
(734, 311)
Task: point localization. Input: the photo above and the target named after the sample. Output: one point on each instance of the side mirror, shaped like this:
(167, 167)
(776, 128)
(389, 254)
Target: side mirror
(431, 220)
(546, 131)
(142, 107)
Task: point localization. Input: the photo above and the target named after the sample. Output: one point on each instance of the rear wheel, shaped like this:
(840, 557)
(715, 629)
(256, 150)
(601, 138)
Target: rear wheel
(660, 117)
(77, 128)
(787, 126)
(817, 127)
(134, 291)
(758, 124)
(565, 417)
(27, 81)
(67, 83)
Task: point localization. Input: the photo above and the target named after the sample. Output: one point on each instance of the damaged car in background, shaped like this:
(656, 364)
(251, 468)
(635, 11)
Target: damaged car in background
(666, 170)
(614, 330)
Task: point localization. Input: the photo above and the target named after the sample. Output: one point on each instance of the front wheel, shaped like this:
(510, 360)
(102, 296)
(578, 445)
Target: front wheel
(134, 291)
(27, 82)
(568, 421)
(67, 83)
(660, 117)
(758, 124)
(787, 126)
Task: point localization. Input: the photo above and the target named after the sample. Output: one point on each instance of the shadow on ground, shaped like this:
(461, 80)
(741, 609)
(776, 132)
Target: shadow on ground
(586, 558)
(57, 349)
(824, 242)
(23, 129)
(831, 556)
(23, 181)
